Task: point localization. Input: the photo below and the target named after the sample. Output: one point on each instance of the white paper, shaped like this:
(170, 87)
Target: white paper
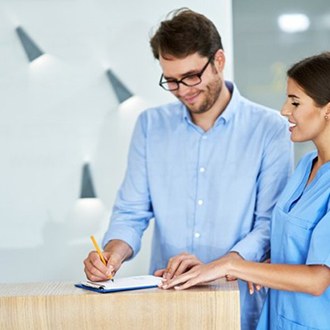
(125, 283)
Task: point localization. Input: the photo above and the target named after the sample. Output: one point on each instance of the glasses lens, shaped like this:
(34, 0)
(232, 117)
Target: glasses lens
(192, 80)
(169, 85)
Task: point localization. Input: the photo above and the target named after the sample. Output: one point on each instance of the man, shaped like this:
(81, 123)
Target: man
(207, 168)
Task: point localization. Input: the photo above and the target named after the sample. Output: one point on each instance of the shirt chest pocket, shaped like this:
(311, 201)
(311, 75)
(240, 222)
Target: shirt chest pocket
(296, 236)
(306, 218)
(307, 211)
(298, 226)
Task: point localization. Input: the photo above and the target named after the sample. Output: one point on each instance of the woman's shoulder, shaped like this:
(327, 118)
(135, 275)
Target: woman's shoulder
(306, 159)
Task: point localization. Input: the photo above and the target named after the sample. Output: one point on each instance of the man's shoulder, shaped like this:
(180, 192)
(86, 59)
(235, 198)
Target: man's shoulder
(261, 113)
(166, 112)
(165, 109)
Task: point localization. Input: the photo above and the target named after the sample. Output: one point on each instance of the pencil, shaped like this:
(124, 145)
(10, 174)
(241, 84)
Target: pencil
(99, 253)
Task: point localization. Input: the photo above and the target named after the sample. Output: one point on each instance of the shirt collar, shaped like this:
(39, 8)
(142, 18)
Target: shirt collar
(229, 111)
(186, 114)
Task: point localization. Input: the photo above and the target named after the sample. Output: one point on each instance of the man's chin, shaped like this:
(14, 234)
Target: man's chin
(192, 107)
(195, 110)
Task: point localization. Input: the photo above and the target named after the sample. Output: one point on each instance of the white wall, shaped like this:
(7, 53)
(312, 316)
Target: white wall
(61, 111)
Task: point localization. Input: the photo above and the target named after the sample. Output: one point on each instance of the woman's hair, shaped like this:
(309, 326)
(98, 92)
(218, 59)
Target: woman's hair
(183, 33)
(312, 74)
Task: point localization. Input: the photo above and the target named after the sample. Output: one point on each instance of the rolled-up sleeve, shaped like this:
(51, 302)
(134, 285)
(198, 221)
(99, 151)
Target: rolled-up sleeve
(276, 167)
(132, 209)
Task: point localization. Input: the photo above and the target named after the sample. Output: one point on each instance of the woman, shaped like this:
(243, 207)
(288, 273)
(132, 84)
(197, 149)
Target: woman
(299, 274)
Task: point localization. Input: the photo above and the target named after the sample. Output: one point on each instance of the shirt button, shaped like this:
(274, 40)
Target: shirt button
(200, 202)
(204, 137)
(197, 235)
(202, 169)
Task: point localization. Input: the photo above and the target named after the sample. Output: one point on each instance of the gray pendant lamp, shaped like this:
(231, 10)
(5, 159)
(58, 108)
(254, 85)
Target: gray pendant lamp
(121, 91)
(87, 188)
(31, 49)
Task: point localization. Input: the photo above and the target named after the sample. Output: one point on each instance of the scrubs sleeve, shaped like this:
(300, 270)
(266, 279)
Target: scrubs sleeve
(319, 250)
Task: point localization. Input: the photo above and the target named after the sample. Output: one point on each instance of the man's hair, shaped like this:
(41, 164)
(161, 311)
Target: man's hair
(312, 74)
(183, 33)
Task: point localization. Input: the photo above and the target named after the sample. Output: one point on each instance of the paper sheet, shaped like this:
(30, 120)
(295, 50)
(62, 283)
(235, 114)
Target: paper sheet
(122, 284)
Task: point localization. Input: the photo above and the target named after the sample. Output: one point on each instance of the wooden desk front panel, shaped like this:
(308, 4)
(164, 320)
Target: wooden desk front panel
(62, 306)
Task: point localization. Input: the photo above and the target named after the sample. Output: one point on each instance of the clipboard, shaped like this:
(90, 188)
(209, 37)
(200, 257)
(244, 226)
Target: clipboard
(121, 284)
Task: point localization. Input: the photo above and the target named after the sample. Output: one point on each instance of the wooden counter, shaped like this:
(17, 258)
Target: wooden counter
(59, 305)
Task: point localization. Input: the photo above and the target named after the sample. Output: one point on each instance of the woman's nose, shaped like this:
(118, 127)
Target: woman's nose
(285, 111)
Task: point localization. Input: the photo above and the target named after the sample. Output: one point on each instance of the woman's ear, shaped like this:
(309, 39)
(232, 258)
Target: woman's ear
(327, 112)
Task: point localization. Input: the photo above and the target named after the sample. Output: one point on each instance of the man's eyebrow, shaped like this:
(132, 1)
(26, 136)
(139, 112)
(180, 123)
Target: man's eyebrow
(189, 73)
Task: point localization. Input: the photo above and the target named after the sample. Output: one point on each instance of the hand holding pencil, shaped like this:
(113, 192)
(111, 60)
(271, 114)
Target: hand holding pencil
(97, 264)
(99, 252)
(102, 266)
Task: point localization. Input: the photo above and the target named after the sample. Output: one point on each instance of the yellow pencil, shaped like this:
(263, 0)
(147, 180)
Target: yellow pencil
(99, 253)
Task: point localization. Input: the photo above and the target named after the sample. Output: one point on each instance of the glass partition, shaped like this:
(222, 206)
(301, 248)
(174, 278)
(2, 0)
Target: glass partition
(269, 36)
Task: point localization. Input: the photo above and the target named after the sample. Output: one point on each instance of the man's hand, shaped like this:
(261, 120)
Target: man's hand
(95, 270)
(178, 265)
(115, 253)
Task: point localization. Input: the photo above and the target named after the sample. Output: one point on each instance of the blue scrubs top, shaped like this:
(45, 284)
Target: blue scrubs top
(300, 235)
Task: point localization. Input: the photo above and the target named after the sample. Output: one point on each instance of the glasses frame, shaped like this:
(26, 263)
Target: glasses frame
(162, 83)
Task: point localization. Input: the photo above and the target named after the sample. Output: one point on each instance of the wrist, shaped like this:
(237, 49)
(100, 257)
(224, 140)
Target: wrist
(232, 263)
(236, 254)
(120, 249)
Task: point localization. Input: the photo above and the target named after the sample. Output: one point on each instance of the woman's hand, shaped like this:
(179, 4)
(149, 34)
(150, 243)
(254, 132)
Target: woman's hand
(202, 273)
(178, 265)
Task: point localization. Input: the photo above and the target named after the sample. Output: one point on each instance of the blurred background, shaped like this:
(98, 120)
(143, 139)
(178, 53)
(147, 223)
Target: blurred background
(268, 37)
(74, 76)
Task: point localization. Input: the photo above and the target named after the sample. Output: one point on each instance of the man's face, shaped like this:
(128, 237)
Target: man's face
(200, 98)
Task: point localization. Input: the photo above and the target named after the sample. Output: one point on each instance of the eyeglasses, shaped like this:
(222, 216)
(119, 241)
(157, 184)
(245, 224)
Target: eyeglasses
(189, 80)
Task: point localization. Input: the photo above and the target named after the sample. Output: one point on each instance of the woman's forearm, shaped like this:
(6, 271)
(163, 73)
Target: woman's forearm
(312, 279)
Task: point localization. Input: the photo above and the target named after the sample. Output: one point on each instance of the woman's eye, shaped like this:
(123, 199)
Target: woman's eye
(295, 104)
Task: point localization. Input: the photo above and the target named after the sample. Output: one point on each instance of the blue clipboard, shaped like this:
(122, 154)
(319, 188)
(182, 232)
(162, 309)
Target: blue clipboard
(121, 284)
(104, 290)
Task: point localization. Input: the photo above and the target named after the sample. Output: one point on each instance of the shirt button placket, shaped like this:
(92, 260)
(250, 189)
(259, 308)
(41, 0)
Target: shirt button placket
(200, 190)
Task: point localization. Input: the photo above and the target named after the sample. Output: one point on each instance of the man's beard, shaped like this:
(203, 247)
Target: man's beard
(211, 95)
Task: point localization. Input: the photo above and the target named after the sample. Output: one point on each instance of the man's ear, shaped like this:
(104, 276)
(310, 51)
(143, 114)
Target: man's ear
(220, 59)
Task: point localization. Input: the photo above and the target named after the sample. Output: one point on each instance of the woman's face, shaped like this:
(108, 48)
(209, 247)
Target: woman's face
(307, 122)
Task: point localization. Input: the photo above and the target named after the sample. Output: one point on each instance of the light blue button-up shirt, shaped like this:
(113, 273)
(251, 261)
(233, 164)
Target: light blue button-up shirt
(208, 192)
